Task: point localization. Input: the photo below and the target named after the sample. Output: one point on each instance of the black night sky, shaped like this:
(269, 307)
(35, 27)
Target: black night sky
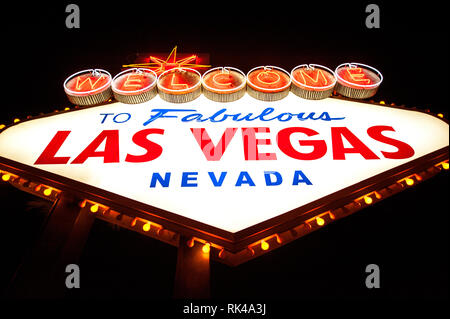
(406, 235)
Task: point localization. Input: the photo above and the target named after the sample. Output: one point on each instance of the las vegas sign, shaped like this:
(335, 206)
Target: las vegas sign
(242, 177)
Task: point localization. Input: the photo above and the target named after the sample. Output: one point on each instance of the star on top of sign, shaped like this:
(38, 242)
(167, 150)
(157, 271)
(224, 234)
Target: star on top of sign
(160, 65)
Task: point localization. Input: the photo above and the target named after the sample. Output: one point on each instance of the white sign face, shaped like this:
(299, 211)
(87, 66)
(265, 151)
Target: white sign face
(228, 165)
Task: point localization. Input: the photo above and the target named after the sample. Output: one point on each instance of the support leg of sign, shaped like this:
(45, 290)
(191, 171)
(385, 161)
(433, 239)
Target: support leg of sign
(192, 274)
(42, 274)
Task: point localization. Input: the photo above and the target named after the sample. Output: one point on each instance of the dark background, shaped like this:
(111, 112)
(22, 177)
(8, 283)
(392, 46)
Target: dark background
(406, 235)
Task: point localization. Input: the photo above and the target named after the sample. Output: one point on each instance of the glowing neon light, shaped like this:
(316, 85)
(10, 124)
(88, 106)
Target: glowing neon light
(359, 76)
(82, 87)
(227, 79)
(268, 79)
(223, 80)
(268, 73)
(129, 81)
(224, 84)
(78, 85)
(319, 73)
(160, 65)
(179, 81)
(163, 65)
(176, 86)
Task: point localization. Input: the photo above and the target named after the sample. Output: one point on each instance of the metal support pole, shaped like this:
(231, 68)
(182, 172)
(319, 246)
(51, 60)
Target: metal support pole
(42, 275)
(192, 274)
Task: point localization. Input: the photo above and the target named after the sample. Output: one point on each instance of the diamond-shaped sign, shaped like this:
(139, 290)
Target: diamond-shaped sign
(227, 172)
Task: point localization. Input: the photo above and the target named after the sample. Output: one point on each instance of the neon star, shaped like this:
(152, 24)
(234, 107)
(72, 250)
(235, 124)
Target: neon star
(160, 65)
